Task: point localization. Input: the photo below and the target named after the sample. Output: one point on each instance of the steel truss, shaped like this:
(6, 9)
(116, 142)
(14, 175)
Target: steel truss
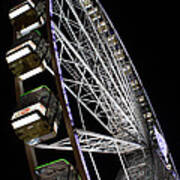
(94, 81)
(94, 76)
(94, 142)
(97, 73)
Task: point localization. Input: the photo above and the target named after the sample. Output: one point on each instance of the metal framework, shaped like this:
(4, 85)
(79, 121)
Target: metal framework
(106, 108)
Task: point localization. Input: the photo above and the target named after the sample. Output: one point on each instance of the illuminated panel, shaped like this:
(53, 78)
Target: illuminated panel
(27, 16)
(39, 116)
(33, 128)
(29, 42)
(52, 162)
(87, 4)
(37, 106)
(26, 120)
(162, 144)
(28, 55)
(31, 73)
(35, 25)
(20, 9)
(58, 169)
(35, 90)
(17, 55)
(20, 51)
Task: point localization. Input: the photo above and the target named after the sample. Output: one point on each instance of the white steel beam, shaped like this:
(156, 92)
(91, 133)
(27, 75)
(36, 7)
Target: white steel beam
(94, 142)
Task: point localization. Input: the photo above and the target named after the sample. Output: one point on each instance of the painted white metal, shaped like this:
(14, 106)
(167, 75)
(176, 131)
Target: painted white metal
(26, 120)
(104, 90)
(97, 84)
(95, 75)
(94, 142)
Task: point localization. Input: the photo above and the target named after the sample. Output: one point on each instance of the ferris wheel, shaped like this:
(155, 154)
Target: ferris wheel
(72, 71)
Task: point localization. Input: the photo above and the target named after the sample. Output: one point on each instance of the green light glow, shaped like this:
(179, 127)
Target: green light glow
(53, 162)
(38, 32)
(34, 90)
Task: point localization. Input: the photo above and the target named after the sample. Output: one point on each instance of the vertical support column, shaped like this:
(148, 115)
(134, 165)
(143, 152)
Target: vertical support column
(30, 152)
(19, 89)
(32, 161)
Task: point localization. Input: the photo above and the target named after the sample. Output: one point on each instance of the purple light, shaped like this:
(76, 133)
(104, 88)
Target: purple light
(64, 90)
(82, 158)
(59, 67)
(174, 174)
(162, 144)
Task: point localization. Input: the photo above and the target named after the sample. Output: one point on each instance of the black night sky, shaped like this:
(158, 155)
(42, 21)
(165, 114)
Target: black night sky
(150, 34)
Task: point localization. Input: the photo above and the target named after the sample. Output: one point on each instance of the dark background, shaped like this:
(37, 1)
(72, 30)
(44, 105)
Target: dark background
(150, 34)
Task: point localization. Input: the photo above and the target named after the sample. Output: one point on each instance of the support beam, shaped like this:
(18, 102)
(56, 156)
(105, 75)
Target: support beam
(80, 162)
(30, 152)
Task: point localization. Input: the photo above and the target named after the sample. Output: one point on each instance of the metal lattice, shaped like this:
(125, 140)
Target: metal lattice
(105, 102)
